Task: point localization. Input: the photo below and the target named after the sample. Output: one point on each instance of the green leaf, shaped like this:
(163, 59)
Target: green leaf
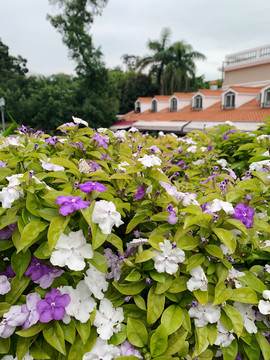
(4, 307)
(30, 233)
(175, 344)
(4, 345)
(33, 204)
(115, 241)
(214, 250)
(236, 224)
(159, 341)
(54, 336)
(130, 289)
(187, 242)
(134, 275)
(155, 305)
(99, 262)
(5, 245)
(17, 288)
(253, 282)
(83, 329)
(197, 220)
(264, 345)
(212, 333)
(221, 294)
(144, 256)
(38, 352)
(192, 209)
(23, 345)
(162, 287)
(195, 260)
(226, 237)
(63, 162)
(253, 349)
(134, 222)
(56, 228)
(69, 331)
(237, 322)
(20, 262)
(48, 213)
(32, 330)
(172, 318)
(178, 285)
(43, 251)
(201, 340)
(261, 225)
(136, 332)
(201, 296)
(5, 221)
(78, 349)
(245, 295)
(140, 302)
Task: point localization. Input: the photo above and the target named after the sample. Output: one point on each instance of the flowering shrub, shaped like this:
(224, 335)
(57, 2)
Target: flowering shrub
(121, 245)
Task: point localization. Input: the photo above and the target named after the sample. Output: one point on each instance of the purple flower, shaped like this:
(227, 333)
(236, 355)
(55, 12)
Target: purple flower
(225, 137)
(89, 186)
(231, 131)
(30, 309)
(172, 218)
(209, 148)
(100, 140)
(104, 157)
(238, 357)
(128, 350)
(53, 306)
(70, 203)
(210, 178)
(52, 140)
(7, 231)
(231, 173)
(248, 197)
(47, 279)
(140, 192)
(9, 273)
(114, 262)
(94, 165)
(181, 162)
(14, 317)
(23, 129)
(36, 269)
(78, 144)
(2, 164)
(245, 214)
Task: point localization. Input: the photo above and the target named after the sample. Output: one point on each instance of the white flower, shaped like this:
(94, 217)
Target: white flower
(171, 189)
(102, 130)
(81, 304)
(84, 167)
(12, 192)
(133, 129)
(136, 242)
(234, 275)
(261, 137)
(51, 167)
(217, 205)
(229, 123)
(96, 282)
(187, 198)
(259, 166)
(224, 336)
(161, 134)
(150, 160)
(168, 258)
(120, 134)
(203, 148)
(198, 162)
(204, 314)
(222, 162)
(192, 149)
(261, 215)
(264, 306)
(108, 319)
(265, 244)
(11, 140)
(187, 140)
(106, 216)
(71, 251)
(198, 279)
(248, 316)
(225, 249)
(149, 190)
(122, 164)
(102, 351)
(79, 121)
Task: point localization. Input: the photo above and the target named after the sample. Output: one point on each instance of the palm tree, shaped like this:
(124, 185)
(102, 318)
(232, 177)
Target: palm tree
(160, 58)
(181, 67)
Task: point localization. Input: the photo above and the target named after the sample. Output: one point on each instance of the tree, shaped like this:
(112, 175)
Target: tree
(74, 24)
(181, 67)
(159, 59)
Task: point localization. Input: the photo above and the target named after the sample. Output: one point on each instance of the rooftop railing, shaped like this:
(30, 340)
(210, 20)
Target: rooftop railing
(252, 55)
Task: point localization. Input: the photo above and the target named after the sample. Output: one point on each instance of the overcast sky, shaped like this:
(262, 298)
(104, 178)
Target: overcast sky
(214, 27)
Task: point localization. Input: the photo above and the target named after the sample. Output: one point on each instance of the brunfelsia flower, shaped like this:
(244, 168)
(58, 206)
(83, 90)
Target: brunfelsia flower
(172, 218)
(51, 167)
(140, 192)
(4, 285)
(71, 251)
(53, 306)
(248, 316)
(245, 214)
(106, 216)
(14, 317)
(90, 186)
(7, 231)
(101, 140)
(108, 319)
(70, 203)
(30, 309)
(102, 350)
(198, 279)
(205, 314)
(127, 349)
(79, 121)
(168, 259)
(96, 281)
(150, 160)
(218, 205)
(224, 336)
(264, 306)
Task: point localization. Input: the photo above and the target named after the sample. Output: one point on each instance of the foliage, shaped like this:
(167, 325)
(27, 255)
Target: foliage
(159, 265)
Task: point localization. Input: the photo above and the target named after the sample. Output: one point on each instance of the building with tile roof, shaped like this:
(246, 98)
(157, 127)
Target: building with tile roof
(244, 101)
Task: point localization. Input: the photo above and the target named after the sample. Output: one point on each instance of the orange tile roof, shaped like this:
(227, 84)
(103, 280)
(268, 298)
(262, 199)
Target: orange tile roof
(183, 95)
(210, 92)
(162, 97)
(246, 89)
(144, 99)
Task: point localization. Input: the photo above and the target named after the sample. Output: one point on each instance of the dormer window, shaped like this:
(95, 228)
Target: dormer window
(138, 107)
(173, 106)
(229, 100)
(198, 102)
(267, 98)
(154, 106)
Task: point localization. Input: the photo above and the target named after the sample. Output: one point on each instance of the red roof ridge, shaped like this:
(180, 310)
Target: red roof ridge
(144, 99)
(247, 89)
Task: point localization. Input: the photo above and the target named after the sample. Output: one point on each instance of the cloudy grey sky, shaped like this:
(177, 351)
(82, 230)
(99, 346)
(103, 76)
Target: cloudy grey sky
(214, 27)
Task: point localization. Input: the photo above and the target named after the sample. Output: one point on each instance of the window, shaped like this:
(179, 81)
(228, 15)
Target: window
(173, 105)
(267, 98)
(229, 100)
(154, 106)
(137, 107)
(198, 102)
